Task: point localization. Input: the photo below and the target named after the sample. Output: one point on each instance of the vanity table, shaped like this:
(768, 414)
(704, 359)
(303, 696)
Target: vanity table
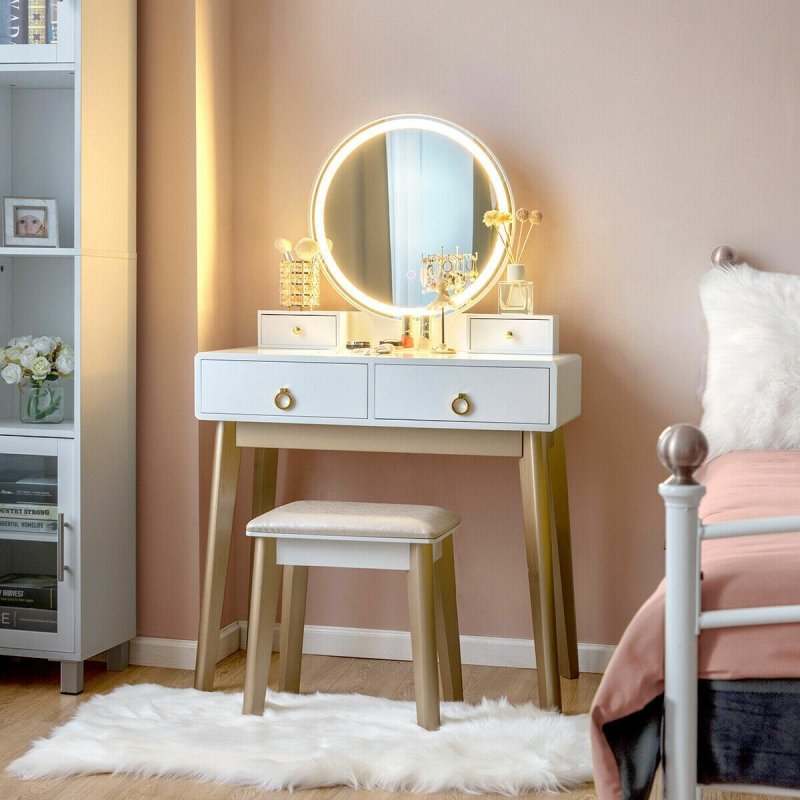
(397, 212)
(467, 405)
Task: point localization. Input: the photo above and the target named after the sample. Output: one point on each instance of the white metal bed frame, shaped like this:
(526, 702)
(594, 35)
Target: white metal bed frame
(682, 449)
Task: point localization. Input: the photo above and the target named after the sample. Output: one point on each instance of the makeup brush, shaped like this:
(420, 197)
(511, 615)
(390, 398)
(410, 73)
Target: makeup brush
(284, 247)
(306, 249)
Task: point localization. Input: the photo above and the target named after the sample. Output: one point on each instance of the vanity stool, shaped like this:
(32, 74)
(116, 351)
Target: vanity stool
(318, 533)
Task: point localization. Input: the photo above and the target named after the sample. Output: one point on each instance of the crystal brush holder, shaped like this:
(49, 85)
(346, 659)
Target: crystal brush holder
(300, 284)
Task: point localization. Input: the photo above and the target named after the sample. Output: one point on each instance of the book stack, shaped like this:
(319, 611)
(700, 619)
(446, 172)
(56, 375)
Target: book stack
(28, 505)
(28, 21)
(29, 602)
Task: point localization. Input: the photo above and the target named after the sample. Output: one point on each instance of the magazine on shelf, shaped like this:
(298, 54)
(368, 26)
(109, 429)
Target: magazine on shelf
(28, 511)
(41, 620)
(29, 591)
(29, 490)
(17, 525)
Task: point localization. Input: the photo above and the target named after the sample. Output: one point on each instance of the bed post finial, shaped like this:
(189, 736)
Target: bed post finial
(682, 448)
(724, 257)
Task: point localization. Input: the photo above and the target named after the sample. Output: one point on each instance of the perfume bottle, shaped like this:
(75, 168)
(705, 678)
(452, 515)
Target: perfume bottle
(424, 336)
(408, 332)
(515, 293)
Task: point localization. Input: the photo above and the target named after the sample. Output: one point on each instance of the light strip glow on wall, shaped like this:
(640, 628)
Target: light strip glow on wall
(480, 153)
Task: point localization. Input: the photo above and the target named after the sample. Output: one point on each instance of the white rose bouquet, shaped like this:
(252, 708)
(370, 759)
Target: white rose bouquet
(32, 364)
(35, 360)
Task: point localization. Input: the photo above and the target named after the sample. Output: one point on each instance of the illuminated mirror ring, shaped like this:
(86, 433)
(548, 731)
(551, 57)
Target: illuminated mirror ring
(503, 201)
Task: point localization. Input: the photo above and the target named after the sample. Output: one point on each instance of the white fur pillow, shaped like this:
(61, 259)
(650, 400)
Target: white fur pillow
(752, 394)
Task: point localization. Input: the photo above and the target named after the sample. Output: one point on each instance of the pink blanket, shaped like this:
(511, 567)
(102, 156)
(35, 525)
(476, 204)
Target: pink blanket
(750, 571)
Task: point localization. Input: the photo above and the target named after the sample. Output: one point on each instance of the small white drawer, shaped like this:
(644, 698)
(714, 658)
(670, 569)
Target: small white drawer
(283, 388)
(492, 333)
(309, 330)
(482, 394)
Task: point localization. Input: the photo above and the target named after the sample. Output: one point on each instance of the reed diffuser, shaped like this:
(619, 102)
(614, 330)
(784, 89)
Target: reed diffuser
(515, 294)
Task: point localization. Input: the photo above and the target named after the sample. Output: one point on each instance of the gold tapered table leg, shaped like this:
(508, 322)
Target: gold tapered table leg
(265, 476)
(534, 480)
(265, 479)
(447, 641)
(562, 556)
(224, 479)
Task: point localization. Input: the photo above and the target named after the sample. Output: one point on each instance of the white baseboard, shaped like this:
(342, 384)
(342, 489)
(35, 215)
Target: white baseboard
(362, 643)
(180, 653)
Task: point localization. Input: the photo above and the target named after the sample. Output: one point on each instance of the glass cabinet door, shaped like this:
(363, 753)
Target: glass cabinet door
(36, 597)
(36, 31)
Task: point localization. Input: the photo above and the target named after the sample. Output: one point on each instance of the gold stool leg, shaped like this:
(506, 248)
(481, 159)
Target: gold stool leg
(261, 625)
(423, 635)
(293, 617)
(538, 544)
(562, 556)
(447, 640)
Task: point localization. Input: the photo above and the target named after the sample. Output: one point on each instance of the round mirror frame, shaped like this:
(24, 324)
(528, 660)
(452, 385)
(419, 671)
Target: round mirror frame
(484, 156)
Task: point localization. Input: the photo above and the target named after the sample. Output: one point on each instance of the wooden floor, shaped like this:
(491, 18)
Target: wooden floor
(30, 705)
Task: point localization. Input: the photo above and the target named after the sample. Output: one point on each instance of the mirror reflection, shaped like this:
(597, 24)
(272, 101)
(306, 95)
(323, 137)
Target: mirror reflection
(400, 197)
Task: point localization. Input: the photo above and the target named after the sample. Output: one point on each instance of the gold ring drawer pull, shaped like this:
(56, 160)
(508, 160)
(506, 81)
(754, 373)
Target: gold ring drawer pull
(461, 405)
(509, 334)
(284, 399)
(297, 330)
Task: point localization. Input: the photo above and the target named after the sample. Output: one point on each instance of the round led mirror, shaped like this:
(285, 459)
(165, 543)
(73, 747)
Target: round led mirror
(401, 201)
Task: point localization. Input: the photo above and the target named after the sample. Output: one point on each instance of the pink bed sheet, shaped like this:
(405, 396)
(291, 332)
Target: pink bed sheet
(750, 571)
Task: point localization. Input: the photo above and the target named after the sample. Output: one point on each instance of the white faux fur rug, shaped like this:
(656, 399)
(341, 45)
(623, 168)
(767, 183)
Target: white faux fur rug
(305, 741)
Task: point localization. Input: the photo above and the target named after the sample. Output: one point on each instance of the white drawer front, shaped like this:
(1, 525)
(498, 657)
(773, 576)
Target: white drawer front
(494, 394)
(529, 335)
(305, 331)
(251, 387)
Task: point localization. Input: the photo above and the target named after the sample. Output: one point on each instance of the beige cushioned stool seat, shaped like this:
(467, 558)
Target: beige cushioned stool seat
(373, 520)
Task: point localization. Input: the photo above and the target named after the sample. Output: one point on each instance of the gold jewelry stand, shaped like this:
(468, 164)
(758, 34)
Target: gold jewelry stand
(447, 274)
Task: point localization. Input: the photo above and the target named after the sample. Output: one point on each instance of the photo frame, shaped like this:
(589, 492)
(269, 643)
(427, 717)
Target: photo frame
(30, 222)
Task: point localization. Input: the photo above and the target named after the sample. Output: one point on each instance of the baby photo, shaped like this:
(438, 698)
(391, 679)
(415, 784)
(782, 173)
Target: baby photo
(30, 222)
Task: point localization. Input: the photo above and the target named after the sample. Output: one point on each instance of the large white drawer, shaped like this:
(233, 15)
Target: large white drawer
(302, 330)
(490, 394)
(251, 387)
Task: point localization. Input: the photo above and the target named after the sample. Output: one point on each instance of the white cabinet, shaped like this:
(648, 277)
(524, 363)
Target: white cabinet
(67, 132)
(38, 545)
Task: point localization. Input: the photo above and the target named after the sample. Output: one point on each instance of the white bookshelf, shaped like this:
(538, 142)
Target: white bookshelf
(61, 109)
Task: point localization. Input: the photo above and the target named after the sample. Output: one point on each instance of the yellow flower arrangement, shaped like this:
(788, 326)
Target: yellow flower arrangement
(502, 220)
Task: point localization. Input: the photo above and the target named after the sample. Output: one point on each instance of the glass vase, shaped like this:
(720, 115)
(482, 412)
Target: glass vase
(41, 402)
(515, 297)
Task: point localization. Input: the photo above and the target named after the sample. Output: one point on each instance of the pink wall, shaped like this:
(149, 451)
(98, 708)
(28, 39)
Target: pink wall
(185, 292)
(167, 440)
(646, 133)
